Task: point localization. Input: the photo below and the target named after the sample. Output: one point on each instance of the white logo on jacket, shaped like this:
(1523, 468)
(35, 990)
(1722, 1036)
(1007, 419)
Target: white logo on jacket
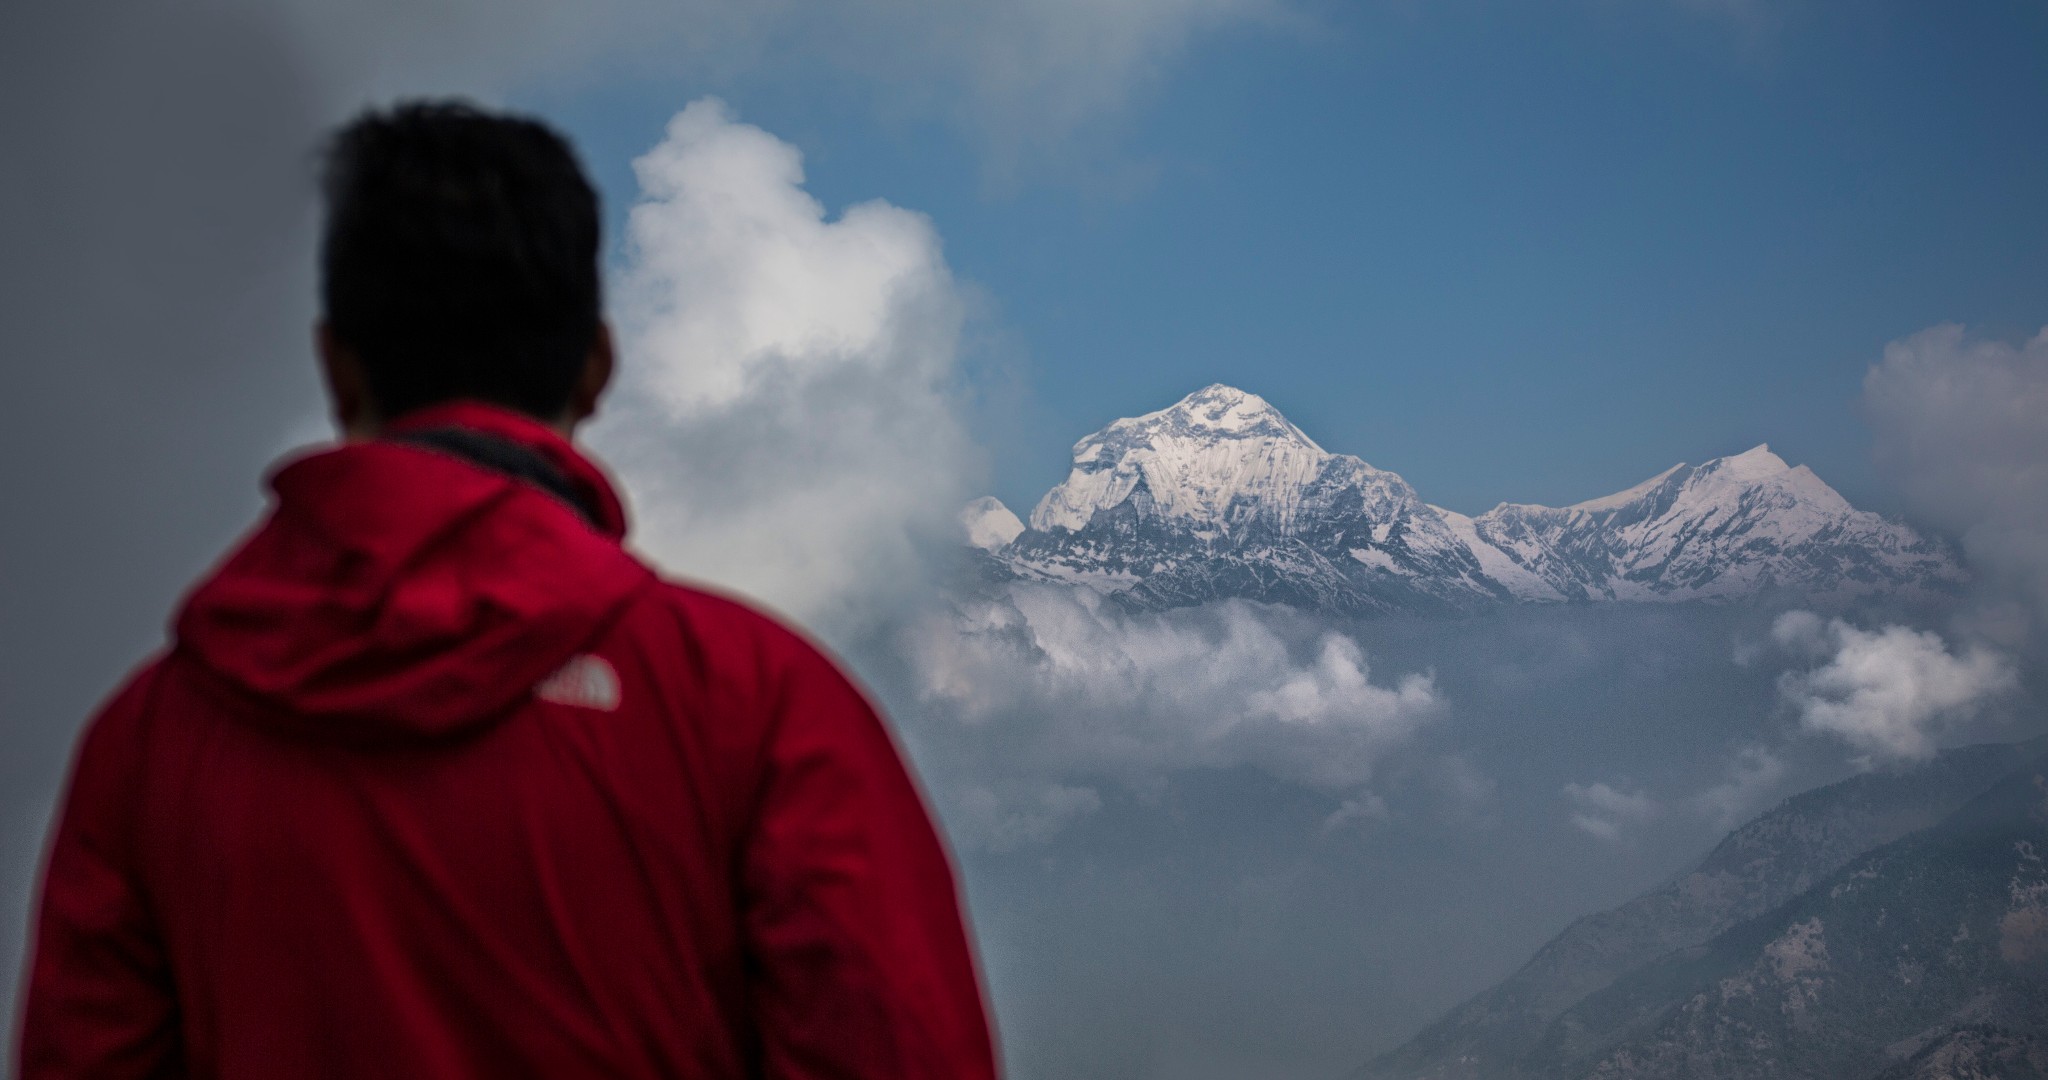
(586, 681)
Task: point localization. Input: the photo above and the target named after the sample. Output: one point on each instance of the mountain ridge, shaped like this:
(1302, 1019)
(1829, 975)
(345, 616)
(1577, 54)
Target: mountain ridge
(1220, 495)
(1937, 939)
(1759, 867)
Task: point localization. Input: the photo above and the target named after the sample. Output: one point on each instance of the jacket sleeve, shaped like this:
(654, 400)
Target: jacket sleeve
(99, 999)
(859, 962)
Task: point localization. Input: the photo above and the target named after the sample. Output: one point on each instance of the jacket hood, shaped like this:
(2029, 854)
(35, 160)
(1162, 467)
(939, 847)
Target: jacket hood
(398, 591)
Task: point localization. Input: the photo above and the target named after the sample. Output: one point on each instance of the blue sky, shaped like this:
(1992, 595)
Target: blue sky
(1527, 251)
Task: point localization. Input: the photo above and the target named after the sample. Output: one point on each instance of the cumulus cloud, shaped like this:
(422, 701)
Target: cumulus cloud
(1064, 685)
(1607, 812)
(787, 426)
(166, 303)
(1962, 427)
(1891, 693)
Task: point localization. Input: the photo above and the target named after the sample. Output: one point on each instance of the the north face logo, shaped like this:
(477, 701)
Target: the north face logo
(586, 681)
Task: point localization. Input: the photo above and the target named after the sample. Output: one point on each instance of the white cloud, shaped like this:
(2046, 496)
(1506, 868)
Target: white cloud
(1607, 812)
(786, 425)
(1890, 693)
(1062, 684)
(1615, 813)
(989, 524)
(1753, 777)
(1962, 426)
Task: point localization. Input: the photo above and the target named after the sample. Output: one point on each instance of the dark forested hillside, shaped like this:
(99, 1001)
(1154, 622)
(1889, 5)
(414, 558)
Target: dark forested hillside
(1667, 983)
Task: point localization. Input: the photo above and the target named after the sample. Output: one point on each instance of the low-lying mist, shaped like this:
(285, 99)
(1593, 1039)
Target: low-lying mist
(1240, 840)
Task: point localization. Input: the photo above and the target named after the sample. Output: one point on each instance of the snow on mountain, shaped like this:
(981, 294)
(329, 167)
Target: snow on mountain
(1210, 459)
(1734, 526)
(1499, 562)
(1219, 495)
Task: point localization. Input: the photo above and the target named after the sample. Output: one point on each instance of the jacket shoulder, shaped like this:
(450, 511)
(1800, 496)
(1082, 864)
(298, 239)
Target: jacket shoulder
(729, 677)
(745, 633)
(108, 762)
(706, 647)
(113, 728)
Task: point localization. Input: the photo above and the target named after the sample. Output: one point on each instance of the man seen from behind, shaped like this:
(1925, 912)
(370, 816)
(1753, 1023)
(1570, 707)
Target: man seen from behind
(436, 779)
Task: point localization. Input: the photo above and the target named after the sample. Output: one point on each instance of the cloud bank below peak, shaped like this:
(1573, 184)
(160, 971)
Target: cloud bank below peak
(1056, 692)
(1892, 693)
(1962, 427)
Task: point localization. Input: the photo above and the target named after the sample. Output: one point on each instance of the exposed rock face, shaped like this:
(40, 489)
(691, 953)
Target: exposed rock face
(1976, 1052)
(1220, 496)
(1894, 951)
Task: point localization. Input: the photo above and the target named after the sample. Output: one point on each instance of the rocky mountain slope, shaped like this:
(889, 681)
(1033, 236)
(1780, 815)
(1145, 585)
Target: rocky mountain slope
(1865, 893)
(1220, 496)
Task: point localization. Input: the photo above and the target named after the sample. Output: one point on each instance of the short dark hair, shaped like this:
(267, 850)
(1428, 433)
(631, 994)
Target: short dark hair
(459, 258)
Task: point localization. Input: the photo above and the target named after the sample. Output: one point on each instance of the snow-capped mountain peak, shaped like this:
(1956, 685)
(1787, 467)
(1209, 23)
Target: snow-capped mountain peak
(1733, 526)
(1205, 461)
(1222, 411)
(1757, 467)
(1755, 463)
(1220, 495)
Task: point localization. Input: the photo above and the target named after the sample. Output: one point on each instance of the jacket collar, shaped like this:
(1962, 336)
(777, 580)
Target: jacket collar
(589, 480)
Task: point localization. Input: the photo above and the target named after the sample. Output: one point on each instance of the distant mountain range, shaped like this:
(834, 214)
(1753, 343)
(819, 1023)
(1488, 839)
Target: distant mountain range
(1220, 496)
(1889, 927)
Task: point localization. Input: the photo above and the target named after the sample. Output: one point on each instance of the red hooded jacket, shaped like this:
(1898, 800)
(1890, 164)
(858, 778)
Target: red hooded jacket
(438, 781)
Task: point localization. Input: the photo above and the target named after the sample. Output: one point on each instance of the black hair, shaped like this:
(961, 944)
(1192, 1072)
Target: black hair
(459, 258)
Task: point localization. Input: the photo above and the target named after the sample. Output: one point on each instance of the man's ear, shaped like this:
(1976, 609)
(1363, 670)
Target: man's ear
(598, 364)
(348, 389)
